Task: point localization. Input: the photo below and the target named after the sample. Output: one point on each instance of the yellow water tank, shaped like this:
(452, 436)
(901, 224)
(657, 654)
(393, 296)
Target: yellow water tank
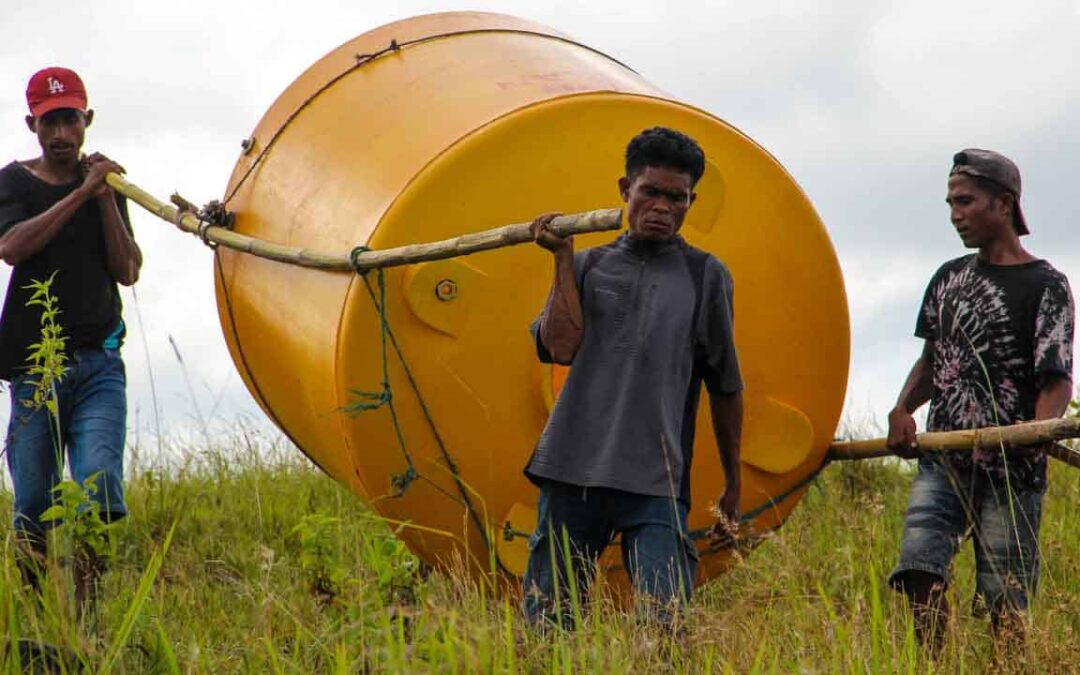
(451, 123)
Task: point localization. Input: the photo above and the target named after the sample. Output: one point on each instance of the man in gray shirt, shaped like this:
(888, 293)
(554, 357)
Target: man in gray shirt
(642, 321)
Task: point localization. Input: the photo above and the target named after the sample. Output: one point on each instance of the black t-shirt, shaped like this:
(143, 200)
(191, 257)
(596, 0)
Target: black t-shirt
(999, 333)
(86, 293)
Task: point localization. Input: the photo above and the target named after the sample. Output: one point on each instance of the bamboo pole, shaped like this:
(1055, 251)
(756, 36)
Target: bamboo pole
(1045, 432)
(508, 235)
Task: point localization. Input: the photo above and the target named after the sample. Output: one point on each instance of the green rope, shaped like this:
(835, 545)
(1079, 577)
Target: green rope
(509, 534)
(373, 400)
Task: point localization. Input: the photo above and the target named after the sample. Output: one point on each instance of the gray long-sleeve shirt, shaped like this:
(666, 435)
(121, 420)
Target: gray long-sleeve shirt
(625, 417)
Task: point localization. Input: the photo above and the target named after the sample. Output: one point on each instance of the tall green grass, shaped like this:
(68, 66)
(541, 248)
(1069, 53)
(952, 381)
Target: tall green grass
(218, 570)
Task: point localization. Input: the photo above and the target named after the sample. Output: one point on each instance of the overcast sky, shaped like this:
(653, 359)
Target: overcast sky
(864, 102)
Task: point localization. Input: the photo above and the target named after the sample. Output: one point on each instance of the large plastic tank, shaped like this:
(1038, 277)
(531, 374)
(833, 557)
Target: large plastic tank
(473, 121)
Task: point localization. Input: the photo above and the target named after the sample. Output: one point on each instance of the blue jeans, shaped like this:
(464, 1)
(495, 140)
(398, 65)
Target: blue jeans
(92, 420)
(656, 548)
(945, 504)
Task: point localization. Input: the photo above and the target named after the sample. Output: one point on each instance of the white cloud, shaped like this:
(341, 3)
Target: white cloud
(978, 68)
(864, 103)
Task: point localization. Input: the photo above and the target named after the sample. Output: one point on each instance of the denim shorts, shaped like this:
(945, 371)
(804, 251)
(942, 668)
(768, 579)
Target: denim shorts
(92, 425)
(947, 504)
(656, 548)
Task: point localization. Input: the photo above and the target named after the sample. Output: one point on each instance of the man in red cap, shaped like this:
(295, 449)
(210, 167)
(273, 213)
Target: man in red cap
(998, 331)
(60, 220)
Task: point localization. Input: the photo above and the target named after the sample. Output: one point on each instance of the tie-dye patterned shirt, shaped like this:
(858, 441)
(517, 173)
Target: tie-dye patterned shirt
(999, 333)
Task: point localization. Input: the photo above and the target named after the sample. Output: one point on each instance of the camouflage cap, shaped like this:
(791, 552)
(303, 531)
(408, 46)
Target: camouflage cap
(995, 167)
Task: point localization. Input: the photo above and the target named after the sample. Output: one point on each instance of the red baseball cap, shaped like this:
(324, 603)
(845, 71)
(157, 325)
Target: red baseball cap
(54, 88)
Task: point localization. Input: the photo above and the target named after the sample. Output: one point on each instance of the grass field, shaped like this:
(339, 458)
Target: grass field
(248, 560)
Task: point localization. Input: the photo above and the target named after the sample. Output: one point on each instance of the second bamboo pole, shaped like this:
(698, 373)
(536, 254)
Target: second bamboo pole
(1045, 432)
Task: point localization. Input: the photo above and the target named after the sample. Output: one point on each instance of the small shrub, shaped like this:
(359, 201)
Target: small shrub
(80, 515)
(315, 533)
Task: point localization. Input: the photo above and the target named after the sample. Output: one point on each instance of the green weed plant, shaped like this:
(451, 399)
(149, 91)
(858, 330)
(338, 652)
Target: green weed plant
(80, 515)
(46, 357)
(314, 533)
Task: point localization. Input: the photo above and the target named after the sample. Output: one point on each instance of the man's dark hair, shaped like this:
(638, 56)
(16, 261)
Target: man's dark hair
(995, 190)
(663, 147)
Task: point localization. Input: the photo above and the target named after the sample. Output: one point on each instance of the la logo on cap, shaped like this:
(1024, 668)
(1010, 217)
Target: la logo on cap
(54, 88)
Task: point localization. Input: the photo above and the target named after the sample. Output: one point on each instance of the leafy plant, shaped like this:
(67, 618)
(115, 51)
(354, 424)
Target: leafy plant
(317, 555)
(46, 358)
(394, 566)
(80, 514)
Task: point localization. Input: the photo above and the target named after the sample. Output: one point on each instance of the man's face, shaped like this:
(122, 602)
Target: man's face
(60, 133)
(656, 199)
(979, 218)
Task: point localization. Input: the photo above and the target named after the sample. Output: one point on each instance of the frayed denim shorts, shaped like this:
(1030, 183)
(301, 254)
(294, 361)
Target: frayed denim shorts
(947, 505)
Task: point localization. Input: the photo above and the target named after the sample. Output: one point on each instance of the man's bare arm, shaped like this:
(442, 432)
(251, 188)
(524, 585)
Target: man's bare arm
(916, 391)
(1054, 398)
(727, 418)
(122, 254)
(562, 327)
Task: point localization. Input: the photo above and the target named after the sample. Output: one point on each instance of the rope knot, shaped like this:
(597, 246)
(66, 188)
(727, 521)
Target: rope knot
(213, 214)
(361, 59)
(354, 259)
(370, 400)
(400, 482)
(204, 225)
(509, 533)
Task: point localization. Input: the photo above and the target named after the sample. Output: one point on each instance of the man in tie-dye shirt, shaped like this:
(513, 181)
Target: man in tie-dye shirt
(998, 331)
